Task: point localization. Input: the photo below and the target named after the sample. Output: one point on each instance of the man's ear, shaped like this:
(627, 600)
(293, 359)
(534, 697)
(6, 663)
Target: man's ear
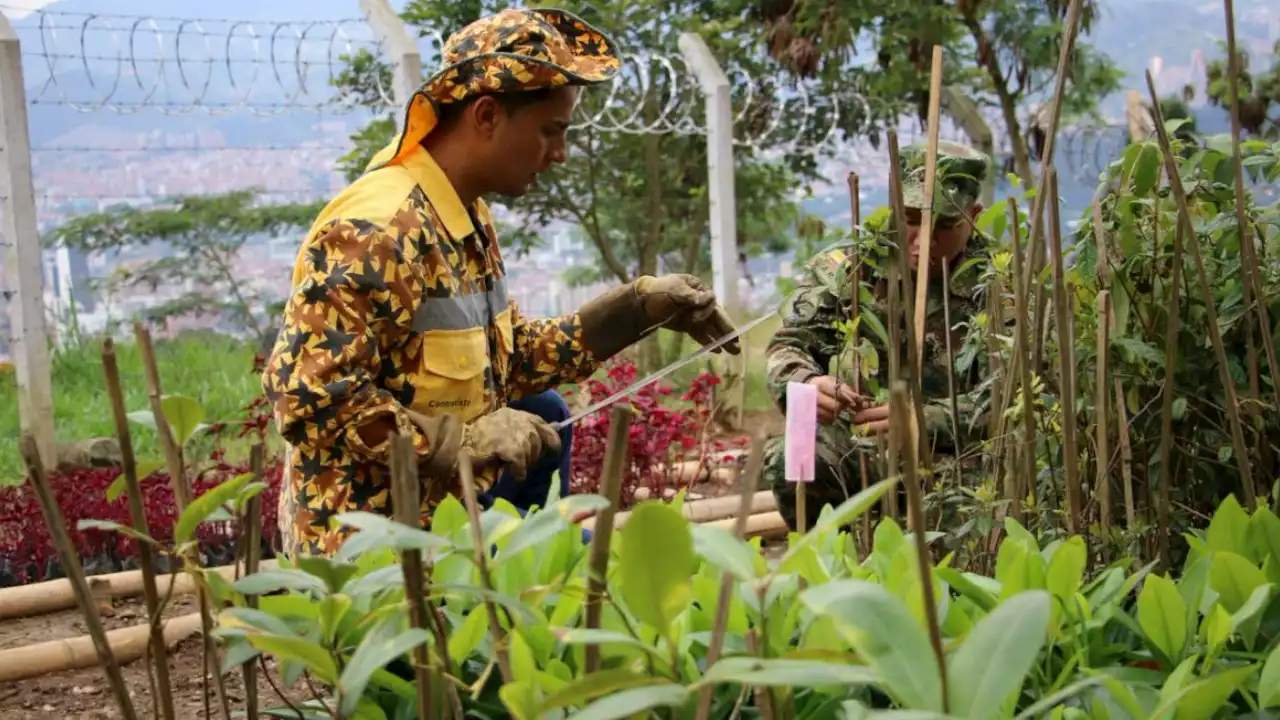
(485, 114)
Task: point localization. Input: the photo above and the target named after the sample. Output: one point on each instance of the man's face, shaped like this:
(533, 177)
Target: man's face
(521, 144)
(950, 236)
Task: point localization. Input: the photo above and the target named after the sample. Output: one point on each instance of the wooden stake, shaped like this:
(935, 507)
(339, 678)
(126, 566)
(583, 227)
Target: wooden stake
(252, 561)
(407, 506)
(615, 461)
(1101, 389)
(900, 408)
(138, 516)
(1211, 310)
(466, 474)
(57, 526)
(1126, 458)
(750, 479)
(1066, 369)
(182, 495)
(1026, 485)
(927, 212)
(855, 312)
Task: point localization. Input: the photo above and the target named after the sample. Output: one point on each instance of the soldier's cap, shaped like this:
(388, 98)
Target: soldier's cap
(961, 170)
(514, 50)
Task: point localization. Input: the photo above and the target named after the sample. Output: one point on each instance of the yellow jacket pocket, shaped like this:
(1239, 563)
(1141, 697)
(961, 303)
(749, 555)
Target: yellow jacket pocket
(452, 376)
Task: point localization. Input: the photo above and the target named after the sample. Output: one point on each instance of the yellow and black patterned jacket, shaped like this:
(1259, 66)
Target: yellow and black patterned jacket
(399, 300)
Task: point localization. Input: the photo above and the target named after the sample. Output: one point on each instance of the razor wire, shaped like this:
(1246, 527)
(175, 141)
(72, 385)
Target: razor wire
(124, 64)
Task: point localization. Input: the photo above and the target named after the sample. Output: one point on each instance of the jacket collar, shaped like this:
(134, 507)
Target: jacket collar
(441, 194)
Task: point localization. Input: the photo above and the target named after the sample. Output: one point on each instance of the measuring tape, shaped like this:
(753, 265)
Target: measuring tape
(659, 374)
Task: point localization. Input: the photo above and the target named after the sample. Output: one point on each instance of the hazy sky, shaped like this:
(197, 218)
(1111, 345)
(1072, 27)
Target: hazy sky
(26, 5)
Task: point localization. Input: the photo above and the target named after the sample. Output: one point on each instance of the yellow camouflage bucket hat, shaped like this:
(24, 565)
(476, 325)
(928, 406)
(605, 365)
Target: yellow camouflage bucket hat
(510, 51)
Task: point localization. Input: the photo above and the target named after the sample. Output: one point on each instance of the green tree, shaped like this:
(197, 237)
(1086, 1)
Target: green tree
(192, 243)
(1259, 92)
(640, 198)
(1000, 53)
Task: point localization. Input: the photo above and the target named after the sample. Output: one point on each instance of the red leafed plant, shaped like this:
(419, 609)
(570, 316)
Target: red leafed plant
(661, 437)
(27, 551)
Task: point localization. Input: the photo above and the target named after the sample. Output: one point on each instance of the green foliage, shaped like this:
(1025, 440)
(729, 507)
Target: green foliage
(1259, 91)
(999, 52)
(201, 237)
(817, 630)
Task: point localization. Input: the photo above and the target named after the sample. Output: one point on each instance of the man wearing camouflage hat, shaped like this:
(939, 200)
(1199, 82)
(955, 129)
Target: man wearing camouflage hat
(809, 340)
(399, 320)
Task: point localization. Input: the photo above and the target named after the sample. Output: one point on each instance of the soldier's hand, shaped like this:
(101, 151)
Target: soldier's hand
(834, 396)
(872, 420)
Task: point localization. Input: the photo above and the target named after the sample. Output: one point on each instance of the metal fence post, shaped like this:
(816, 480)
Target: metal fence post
(402, 48)
(24, 270)
(720, 176)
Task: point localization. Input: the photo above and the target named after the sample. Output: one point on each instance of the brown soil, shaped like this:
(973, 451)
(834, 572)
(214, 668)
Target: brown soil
(86, 695)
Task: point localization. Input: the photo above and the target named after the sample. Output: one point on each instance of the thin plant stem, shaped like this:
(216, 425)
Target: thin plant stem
(407, 507)
(467, 475)
(615, 458)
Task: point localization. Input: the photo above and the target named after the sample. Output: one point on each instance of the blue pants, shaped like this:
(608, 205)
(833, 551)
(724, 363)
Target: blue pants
(551, 407)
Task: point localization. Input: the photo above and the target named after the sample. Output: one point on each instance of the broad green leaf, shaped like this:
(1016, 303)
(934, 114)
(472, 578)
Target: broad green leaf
(1064, 573)
(965, 584)
(237, 654)
(521, 699)
(313, 656)
(789, 672)
(655, 564)
(268, 581)
(1264, 531)
(634, 701)
(378, 532)
(1204, 698)
(334, 573)
(1146, 168)
(1234, 578)
(589, 636)
(1216, 628)
(544, 524)
(377, 650)
(1248, 618)
(1162, 615)
(144, 418)
(183, 414)
(1229, 529)
(144, 470)
(1269, 683)
(203, 506)
(333, 612)
(882, 630)
(251, 619)
(725, 551)
(109, 526)
(465, 638)
(589, 687)
(847, 512)
(993, 660)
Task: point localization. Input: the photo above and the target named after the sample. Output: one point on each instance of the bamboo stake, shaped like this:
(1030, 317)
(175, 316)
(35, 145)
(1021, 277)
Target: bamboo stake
(927, 215)
(750, 479)
(1101, 390)
(182, 494)
(951, 366)
(898, 410)
(252, 561)
(57, 526)
(1066, 369)
(855, 312)
(1126, 457)
(904, 286)
(138, 516)
(407, 507)
(1046, 161)
(1173, 326)
(1022, 346)
(1211, 310)
(466, 474)
(615, 459)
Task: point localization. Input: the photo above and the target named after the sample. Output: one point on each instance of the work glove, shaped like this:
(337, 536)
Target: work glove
(624, 315)
(512, 438)
(506, 437)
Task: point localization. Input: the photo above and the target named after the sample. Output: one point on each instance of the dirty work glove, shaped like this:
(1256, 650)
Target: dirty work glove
(512, 438)
(624, 315)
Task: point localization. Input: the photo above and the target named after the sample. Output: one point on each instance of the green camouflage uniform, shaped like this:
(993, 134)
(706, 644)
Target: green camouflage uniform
(810, 339)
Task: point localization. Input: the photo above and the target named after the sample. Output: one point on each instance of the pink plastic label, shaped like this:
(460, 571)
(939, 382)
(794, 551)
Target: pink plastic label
(802, 431)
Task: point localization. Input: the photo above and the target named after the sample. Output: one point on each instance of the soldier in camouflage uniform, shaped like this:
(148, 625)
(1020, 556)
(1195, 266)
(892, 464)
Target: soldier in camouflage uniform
(809, 340)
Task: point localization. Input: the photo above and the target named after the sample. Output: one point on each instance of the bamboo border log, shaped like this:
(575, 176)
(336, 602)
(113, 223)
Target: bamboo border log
(126, 645)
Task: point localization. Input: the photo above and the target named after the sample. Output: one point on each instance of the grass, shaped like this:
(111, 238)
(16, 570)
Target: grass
(217, 371)
(214, 369)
